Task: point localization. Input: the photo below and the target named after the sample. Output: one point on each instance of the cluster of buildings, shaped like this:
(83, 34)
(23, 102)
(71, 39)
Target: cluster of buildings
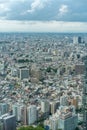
(41, 80)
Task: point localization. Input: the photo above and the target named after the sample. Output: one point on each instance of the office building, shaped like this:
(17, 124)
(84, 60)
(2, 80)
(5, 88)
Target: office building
(85, 96)
(77, 39)
(45, 106)
(54, 123)
(54, 106)
(23, 73)
(8, 121)
(23, 111)
(19, 110)
(67, 121)
(4, 108)
(1, 125)
(16, 111)
(31, 114)
(64, 100)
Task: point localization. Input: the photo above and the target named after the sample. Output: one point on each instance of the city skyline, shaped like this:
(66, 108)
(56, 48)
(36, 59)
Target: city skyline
(43, 16)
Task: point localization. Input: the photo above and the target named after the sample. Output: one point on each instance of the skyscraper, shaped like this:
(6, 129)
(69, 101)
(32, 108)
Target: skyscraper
(15, 110)
(4, 108)
(68, 121)
(64, 100)
(8, 121)
(85, 96)
(1, 125)
(54, 123)
(23, 73)
(45, 106)
(31, 114)
(19, 110)
(77, 40)
(23, 111)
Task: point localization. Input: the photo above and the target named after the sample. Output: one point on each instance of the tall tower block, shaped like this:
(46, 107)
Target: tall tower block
(85, 95)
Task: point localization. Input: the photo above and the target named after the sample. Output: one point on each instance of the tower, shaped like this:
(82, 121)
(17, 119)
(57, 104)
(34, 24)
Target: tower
(68, 121)
(85, 96)
(20, 110)
(45, 106)
(31, 114)
(4, 108)
(7, 122)
(23, 73)
(77, 39)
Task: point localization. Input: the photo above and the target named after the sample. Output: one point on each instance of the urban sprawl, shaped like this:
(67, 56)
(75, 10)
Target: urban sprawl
(42, 80)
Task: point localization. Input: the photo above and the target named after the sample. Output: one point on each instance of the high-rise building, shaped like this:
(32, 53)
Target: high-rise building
(54, 123)
(1, 125)
(16, 112)
(4, 108)
(31, 114)
(8, 121)
(45, 106)
(20, 111)
(85, 96)
(35, 73)
(64, 100)
(54, 106)
(68, 121)
(77, 39)
(23, 111)
(23, 73)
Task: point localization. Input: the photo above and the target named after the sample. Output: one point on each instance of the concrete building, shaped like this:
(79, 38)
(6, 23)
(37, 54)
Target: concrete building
(1, 125)
(45, 106)
(23, 110)
(54, 123)
(77, 39)
(64, 100)
(68, 121)
(4, 108)
(20, 111)
(16, 111)
(54, 106)
(23, 73)
(35, 73)
(8, 121)
(31, 114)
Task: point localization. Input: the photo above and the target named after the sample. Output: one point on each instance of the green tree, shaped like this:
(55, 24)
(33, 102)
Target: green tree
(31, 128)
(76, 128)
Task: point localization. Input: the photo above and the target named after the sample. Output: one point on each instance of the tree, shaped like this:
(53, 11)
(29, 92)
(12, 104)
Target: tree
(31, 128)
(76, 128)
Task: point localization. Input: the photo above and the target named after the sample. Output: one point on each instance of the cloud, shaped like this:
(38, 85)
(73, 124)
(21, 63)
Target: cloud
(44, 10)
(36, 4)
(63, 9)
(4, 8)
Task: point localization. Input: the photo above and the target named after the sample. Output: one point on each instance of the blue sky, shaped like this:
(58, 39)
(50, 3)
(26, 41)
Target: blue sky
(43, 15)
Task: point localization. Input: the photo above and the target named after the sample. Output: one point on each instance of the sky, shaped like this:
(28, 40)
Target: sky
(43, 15)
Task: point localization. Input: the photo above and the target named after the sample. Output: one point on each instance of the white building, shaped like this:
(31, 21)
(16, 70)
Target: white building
(31, 114)
(23, 73)
(64, 100)
(54, 123)
(45, 106)
(1, 125)
(4, 108)
(77, 39)
(16, 111)
(68, 121)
